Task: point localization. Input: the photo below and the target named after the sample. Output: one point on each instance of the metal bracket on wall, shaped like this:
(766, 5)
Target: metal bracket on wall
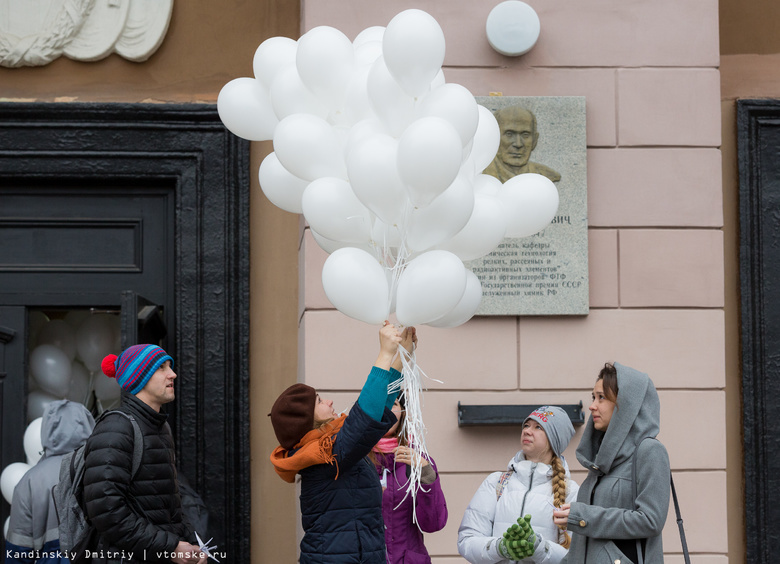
(481, 415)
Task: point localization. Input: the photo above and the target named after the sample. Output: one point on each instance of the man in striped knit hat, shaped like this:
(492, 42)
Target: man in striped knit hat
(136, 509)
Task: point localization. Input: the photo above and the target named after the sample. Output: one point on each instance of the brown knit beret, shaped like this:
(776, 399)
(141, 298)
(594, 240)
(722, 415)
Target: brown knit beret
(293, 414)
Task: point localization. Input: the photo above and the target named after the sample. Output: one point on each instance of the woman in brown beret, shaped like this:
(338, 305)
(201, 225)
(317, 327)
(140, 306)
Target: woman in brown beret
(341, 497)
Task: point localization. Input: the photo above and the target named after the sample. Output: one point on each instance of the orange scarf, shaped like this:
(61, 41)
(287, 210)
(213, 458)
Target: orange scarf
(316, 447)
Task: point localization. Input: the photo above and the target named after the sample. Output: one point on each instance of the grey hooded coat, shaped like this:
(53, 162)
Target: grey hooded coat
(606, 509)
(33, 525)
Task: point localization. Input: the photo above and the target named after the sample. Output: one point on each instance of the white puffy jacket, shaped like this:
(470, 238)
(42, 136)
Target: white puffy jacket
(528, 491)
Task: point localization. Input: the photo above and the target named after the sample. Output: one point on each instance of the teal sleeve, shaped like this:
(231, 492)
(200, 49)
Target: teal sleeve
(373, 397)
(394, 375)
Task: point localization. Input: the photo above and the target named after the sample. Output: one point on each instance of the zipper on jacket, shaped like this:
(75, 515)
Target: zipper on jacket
(530, 485)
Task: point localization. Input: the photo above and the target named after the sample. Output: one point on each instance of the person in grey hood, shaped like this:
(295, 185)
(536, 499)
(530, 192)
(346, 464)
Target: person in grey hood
(622, 505)
(33, 534)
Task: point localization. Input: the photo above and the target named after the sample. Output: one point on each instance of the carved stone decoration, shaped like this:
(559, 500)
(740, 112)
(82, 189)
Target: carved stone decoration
(36, 32)
(145, 29)
(101, 30)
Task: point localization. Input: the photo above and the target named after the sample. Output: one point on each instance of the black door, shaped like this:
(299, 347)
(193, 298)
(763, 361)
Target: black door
(759, 216)
(13, 324)
(138, 214)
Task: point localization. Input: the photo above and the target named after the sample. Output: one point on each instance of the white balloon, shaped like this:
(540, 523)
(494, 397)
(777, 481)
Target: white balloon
(107, 390)
(429, 158)
(361, 131)
(329, 245)
(332, 209)
(467, 306)
(308, 147)
(76, 317)
(37, 401)
(413, 46)
(51, 369)
(394, 107)
(95, 339)
(443, 218)
(281, 187)
(367, 53)
(530, 202)
(486, 139)
(484, 231)
(431, 286)
(457, 105)
(273, 55)
(290, 96)
(244, 106)
(487, 184)
(369, 35)
(325, 60)
(356, 285)
(10, 476)
(33, 448)
(373, 173)
(356, 103)
(438, 80)
(368, 45)
(79, 387)
(59, 333)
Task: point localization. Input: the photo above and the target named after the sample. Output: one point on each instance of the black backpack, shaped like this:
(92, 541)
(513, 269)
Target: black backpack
(77, 535)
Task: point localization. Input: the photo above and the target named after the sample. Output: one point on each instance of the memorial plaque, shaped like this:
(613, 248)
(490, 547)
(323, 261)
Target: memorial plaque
(546, 273)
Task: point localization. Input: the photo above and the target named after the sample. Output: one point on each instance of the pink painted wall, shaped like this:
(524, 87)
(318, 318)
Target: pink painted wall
(649, 73)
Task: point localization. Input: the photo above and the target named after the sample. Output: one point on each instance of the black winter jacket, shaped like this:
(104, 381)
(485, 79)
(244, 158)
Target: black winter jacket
(141, 515)
(342, 517)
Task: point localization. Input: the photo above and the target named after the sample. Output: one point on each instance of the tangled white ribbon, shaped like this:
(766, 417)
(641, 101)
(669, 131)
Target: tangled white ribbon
(411, 386)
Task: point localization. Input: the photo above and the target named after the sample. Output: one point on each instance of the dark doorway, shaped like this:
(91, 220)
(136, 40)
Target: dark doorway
(758, 122)
(140, 209)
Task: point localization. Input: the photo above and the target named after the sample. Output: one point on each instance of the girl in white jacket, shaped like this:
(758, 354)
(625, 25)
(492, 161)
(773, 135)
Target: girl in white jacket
(536, 481)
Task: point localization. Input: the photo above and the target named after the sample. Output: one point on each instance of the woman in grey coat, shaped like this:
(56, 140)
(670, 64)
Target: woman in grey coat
(622, 505)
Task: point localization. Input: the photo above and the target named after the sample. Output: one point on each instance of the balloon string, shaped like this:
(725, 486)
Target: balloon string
(396, 264)
(411, 385)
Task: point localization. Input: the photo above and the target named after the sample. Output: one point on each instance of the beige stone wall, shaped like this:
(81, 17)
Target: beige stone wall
(649, 72)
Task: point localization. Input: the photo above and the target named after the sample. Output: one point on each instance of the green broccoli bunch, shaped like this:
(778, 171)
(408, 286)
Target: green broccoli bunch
(519, 540)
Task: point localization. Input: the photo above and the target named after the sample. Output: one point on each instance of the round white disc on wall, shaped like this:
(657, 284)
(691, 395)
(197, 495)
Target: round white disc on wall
(512, 28)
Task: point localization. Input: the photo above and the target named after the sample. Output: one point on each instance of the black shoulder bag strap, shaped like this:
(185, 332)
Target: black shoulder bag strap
(680, 522)
(639, 547)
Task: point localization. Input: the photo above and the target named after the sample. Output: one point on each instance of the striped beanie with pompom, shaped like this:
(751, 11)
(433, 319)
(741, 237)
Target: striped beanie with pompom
(133, 368)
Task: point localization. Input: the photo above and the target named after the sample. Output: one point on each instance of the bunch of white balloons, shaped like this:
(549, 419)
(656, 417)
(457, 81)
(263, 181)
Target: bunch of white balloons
(65, 359)
(384, 160)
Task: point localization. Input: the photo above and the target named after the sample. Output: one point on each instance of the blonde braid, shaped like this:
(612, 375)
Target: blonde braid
(559, 495)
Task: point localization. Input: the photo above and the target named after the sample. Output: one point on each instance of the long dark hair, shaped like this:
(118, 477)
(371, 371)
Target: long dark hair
(608, 375)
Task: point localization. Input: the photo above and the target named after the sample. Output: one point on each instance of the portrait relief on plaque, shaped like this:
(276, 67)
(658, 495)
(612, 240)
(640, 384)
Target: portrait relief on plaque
(545, 273)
